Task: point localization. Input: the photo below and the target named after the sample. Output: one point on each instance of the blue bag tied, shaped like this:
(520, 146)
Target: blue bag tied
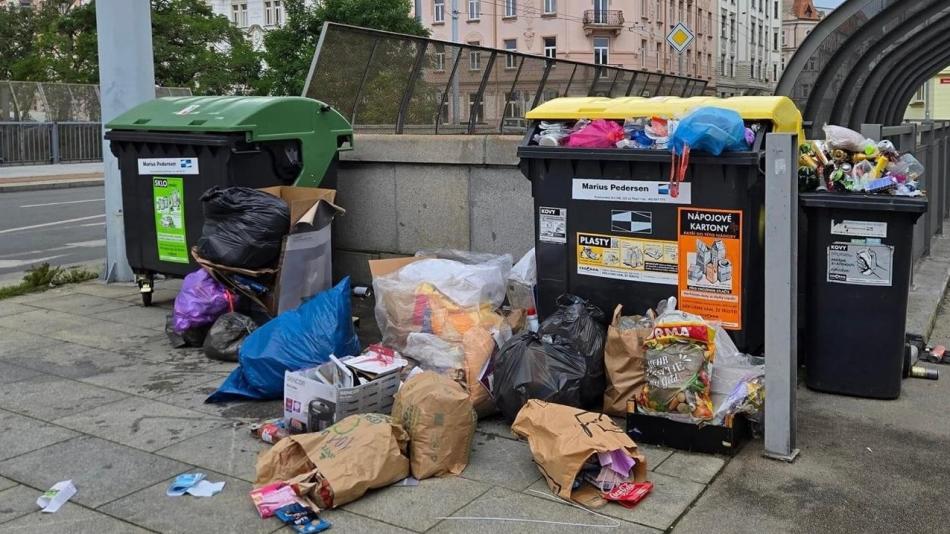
(710, 129)
(294, 340)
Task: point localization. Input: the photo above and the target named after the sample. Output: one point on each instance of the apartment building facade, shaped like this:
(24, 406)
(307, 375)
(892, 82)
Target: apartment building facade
(627, 33)
(255, 17)
(750, 53)
(798, 19)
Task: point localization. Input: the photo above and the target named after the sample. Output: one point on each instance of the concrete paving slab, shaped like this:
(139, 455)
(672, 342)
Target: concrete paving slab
(72, 519)
(12, 308)
(148, 379)
(231, 451)
(12, 373)
(501, 462)
(17, 502)
(49, 397)
(247, 411)
(654, 454)
(228, 511)
(344, 521)
(187, 359)
(142, 423)
(152, 318)
(700, 468)
(105, 335)
(102, 289)
(17, 342)
(69, 360)
(79, 304)
(102, 471)
(44, 322)
(521, 513)
(6, 483)
(20, 435)
(418, 507)
(162, 297)
(497, 426)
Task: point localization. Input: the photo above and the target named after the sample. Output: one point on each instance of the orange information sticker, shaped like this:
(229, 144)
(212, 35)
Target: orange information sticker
(710, 265)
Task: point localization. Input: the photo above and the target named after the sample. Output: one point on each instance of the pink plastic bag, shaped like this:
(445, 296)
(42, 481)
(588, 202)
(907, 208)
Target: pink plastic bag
(598, 134)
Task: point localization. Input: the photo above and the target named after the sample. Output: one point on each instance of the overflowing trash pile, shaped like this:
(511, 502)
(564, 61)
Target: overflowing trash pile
(848, 162)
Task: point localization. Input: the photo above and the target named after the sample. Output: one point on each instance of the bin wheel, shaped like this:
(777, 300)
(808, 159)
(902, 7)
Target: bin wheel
(146, 288)
(147, 299)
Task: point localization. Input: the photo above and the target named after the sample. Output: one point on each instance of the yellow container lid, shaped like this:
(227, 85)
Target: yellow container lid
(780, 110)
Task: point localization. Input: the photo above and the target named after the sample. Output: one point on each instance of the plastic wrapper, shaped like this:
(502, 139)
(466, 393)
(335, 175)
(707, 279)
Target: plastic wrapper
(582, 326)
(200, 302)
(600, 133)
(521, 282)
(434, 353)
(839, 137)
(710, 129)
(678, 357)
(223, 342)
(243, 227)
(529, 368)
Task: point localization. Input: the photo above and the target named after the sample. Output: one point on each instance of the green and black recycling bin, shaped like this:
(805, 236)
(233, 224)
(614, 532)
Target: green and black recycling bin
(859, 253)
(607, 228)
(171, 150)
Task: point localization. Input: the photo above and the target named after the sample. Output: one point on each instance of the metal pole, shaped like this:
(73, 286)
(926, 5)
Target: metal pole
(456, 109)
(781, 295)
(126, 79)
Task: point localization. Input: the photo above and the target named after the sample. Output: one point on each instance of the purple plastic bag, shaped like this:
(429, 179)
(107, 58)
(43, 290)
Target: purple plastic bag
(200, 302)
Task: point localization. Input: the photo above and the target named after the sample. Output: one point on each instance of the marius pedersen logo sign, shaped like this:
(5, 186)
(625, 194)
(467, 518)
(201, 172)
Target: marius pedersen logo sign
(153, 166)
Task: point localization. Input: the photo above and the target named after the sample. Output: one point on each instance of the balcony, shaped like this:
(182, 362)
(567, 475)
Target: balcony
(596, 20)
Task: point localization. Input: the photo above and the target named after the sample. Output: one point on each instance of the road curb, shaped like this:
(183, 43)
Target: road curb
(43, 186)
(931, 278)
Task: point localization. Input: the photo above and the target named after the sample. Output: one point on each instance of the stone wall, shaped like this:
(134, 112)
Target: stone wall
(404, 193)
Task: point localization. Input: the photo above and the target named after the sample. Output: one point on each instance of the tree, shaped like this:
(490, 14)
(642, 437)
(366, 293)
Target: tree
(290, 49)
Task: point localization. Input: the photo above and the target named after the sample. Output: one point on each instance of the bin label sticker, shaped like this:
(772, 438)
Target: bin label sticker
(710, 268)
(631, 222)
(169, 201)
(627, 258)
(861, 264)
(859, 228)
(552, 225)
(153, 166)
(629, 191)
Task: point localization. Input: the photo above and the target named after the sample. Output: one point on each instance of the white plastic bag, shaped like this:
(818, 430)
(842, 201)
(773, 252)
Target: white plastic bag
(433, 353)
(525, 271)
(843, 138)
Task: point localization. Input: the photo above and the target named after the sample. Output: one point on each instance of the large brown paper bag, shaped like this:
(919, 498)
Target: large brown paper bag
(437, 413)
(479, 346)
(340, 464)
(562, 438)
(624, 363)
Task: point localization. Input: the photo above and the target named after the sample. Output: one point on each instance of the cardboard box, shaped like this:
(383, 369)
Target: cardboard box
(302, 387)
(305, 265)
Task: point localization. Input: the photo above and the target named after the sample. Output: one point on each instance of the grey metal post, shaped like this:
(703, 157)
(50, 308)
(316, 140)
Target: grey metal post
(781, 295)
(456, 106)
(54, 142)
(126, 79)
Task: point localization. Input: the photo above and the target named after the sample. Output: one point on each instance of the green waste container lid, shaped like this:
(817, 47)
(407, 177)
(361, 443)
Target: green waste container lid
(857, 201)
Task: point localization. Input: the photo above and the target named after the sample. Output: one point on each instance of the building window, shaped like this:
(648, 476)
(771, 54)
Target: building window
(725, 18)
(511, 60)
(474, 57)
(511, 8)
(550, 47)
(444, 111)
(550, 7)
(601, 50)
(439, 58)
(476, 108)
(775, 41)
(514, 112)
(278, 13)
(474, 9)
(268, 14)
(774, 72)
(438, 11)
(239, 14)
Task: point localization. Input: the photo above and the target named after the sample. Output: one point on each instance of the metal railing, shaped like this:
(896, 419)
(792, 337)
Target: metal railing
(394, 83)
(603, 17)
(38, 143)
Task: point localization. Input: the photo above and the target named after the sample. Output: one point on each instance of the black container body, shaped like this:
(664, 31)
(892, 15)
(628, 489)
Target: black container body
(859, 268)
(732, 182)
(221, 159)
(708, 439)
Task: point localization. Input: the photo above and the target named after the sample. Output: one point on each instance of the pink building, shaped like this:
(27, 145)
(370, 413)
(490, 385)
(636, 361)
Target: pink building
(626, 33)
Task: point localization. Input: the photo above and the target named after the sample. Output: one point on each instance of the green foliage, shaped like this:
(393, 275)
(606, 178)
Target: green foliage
(42, 277)
(289, 50)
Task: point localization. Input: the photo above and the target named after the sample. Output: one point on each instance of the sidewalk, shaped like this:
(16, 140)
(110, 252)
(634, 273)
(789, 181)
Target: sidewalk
(91, 391)
(38, 177)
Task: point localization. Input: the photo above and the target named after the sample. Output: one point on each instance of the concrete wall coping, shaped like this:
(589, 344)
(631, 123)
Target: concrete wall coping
(436, 149)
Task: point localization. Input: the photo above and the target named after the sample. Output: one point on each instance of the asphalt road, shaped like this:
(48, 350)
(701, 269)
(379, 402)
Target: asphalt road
(60, 226)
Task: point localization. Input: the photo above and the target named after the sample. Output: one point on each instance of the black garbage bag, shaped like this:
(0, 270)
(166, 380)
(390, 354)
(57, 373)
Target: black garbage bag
(528, 368)
(191, 337)
(243, 227)
(582, 325)
(226, 336)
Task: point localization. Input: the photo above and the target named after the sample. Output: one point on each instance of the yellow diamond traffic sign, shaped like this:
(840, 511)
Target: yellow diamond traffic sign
(680, 37)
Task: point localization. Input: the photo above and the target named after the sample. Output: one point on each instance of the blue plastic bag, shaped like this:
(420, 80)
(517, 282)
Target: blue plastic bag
(294, 340)
(710, 129)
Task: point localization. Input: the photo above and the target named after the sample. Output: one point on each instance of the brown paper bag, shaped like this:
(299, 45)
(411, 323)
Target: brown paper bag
(340, 464)
(479, 346)
(562, 438)
(625, 365)
(437, 413)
